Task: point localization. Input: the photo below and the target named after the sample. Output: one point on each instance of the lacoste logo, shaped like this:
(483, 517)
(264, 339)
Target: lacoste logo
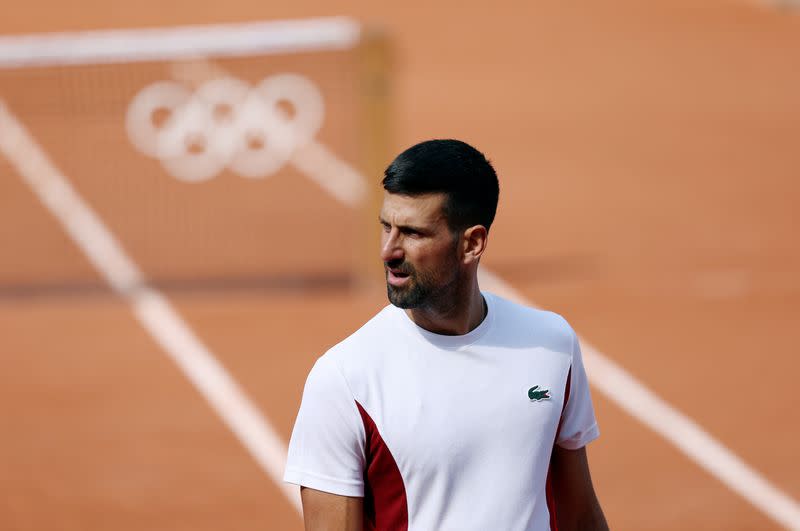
(536, 394)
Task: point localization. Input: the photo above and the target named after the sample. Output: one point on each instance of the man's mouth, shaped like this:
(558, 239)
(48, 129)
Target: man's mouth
(396, 277)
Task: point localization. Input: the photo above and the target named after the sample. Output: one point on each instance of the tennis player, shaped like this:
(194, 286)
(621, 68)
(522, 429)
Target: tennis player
(451, 409)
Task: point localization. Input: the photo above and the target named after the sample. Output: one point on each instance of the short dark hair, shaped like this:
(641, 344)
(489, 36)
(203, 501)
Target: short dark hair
(451, 167)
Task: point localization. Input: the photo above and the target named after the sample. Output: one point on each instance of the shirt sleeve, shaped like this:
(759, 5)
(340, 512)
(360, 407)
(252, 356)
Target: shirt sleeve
(578, 423)
(326, 450)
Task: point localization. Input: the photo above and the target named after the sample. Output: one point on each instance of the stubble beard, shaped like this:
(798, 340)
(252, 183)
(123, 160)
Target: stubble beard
(423, 290)
(411, 296)
(427, 290)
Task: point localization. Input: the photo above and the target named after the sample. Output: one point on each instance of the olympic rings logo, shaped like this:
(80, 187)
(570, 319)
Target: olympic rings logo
(225, 123)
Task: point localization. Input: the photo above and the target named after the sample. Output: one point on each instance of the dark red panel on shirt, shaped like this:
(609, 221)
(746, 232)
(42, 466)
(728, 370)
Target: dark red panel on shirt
(385, 503)
(551, 501)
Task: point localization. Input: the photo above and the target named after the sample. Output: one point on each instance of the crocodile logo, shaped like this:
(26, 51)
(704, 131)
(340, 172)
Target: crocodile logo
(536, 394)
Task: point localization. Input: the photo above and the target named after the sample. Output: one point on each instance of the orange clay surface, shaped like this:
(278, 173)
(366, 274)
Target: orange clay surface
(648, 156)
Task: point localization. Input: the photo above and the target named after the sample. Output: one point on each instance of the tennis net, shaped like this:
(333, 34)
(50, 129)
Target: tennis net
(228, 155)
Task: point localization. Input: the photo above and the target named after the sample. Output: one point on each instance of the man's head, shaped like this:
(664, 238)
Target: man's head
(441, 198)
(453, 168)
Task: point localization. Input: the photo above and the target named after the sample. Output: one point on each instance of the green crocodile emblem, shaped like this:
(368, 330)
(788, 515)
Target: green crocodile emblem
(536, 394)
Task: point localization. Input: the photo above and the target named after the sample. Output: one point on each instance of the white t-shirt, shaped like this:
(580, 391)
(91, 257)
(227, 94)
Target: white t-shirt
(445, 432)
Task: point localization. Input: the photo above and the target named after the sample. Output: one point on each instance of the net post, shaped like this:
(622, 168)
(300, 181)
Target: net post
(374, 55)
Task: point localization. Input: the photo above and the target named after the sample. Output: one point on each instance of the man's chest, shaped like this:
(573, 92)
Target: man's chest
(462, 411)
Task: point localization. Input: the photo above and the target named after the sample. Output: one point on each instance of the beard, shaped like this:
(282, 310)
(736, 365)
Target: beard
(412, 295)
(422, 289)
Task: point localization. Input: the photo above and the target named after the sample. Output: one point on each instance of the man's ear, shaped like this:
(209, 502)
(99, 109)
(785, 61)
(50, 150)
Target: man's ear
(474, 243)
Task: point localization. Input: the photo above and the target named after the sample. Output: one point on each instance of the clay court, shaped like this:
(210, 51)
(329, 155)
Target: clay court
(649, 161)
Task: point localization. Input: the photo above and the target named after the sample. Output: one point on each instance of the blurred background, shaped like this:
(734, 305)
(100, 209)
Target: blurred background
(157, 278)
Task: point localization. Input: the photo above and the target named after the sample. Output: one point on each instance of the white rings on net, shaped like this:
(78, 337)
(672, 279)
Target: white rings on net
(225, 123)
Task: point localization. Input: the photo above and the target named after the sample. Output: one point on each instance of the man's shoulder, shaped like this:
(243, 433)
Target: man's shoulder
(361, 354)
(521, 320)
(370, 336)
(508, 308)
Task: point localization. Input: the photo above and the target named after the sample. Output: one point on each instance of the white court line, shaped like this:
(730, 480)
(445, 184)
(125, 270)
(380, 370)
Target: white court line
(183, 42)
(644, 405)
(772, 4)
(158, 317)
(152, 309)
(331, 173)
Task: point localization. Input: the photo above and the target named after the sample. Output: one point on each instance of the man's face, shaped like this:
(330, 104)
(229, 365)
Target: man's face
(418, 249)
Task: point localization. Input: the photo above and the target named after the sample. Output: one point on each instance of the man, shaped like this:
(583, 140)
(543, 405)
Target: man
(451, 409)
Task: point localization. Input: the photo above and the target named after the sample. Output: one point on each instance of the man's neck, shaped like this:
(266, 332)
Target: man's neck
(462, 316)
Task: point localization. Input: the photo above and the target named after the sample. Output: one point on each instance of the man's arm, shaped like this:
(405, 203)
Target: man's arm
(323, 511)
(577, 508)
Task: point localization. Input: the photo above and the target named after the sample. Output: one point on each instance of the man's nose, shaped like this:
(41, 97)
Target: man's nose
(391, 249)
